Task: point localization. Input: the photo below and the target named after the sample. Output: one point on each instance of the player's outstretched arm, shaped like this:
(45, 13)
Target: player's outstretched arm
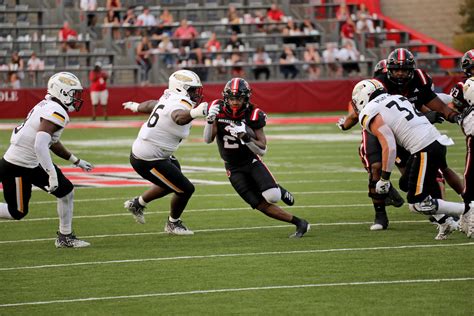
(347, 122)
(439, 106)
(59, 150)
(183, 117)
(144, 107)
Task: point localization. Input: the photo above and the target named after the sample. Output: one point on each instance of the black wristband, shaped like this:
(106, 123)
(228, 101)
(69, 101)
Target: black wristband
(245, 138)
(385, 175)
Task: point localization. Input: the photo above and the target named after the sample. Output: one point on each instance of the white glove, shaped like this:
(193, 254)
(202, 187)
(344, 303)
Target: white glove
(382, 186)
(53, 183)
(132, 106)
(213, 111)
(340, 123)
(235, 130)
(199, 111)
(84, 165)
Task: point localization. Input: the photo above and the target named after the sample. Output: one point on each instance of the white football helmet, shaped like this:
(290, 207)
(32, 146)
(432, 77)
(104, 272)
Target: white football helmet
(67, 88)
(363, 91)
(186, 83)
(468, 91)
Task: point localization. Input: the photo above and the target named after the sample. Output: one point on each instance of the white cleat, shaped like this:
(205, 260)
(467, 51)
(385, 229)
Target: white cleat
(69, 241)
(466, 223)
(177, 228)
(134, 207)
(445, 229)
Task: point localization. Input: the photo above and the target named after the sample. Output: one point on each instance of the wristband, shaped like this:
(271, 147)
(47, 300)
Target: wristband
(73, 159)
(385, 175)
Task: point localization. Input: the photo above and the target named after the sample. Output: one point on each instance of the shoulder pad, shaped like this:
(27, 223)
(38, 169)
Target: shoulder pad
(186, 103)
(256, 118)
(424, 78)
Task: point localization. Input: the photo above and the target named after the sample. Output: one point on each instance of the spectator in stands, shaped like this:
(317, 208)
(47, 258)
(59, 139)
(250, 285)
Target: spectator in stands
(219, 62)
(166, 48)
(33, 65)
(261, 59)
(274, 15)
(363, 10)
(234, 43)
(167, 19)
(156, 34)
(16, 67)
(183, 57)
(143, 58)
(348, 31)
(259, 20)
(349, 57)
(99, 92)
(115, 6)
(291, 33)
(67, 36)
(311, 56)
(89, 7)
(330, 55)
(308, 28)
(185, 33)
(213, 44)
(111, 22)
(130, 20)
(146, 18)
(342, 13)
(236, 61)
(234, 19)
(287, 63)
(364, 23)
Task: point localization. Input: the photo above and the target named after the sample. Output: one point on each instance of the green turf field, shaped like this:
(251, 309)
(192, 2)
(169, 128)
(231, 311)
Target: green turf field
(238, 261)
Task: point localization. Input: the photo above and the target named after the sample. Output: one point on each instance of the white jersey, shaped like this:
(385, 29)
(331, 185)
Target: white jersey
(22, 142)
(468, 124)
(160, 136)
(411, 128)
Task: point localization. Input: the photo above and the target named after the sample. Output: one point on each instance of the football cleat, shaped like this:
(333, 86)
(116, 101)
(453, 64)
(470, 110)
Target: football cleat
(136, 209)
(380, 221)
(301, 228)
(394, 198)
(466, 224)
(177, 228)
(287, 197)
(445, 229)
(69, 241)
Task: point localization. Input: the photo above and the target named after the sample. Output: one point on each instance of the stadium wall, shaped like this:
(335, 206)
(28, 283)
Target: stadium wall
(274, 97)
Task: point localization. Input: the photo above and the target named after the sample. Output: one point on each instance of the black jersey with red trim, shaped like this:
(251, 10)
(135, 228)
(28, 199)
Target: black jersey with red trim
(232, 151)
(419, 90)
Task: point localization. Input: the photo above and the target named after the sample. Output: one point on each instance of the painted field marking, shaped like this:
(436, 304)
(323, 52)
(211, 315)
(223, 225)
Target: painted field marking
(245, 289)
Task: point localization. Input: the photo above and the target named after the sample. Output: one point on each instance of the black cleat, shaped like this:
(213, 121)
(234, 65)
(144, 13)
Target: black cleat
(301, 228)
(380, 222)
(394, 198)
(69, 241)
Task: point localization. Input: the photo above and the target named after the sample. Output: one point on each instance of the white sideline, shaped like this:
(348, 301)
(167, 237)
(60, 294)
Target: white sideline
(249, 254)
(245, 289)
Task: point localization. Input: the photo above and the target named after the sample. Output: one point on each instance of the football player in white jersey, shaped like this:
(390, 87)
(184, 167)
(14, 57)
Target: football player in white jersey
(27, 160)
(466, 224)
(159, 137)
(393, 119)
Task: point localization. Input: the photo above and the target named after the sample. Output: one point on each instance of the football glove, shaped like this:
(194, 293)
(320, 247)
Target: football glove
(434, 117)
(340, 123)
(199, 111)
(235, 129)
(84, 165)
(132, 106)
(53, 183)
(213, 111)
(382, 186)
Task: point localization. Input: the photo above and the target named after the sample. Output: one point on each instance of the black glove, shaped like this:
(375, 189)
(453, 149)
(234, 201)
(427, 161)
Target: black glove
(434, 117)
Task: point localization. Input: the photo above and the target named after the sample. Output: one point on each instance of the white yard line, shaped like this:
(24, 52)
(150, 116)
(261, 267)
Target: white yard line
(246, 289)
(206, 230)
(227, 255)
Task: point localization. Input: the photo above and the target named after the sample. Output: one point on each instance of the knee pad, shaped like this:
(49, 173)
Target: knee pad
(428, 206)
(272, 195)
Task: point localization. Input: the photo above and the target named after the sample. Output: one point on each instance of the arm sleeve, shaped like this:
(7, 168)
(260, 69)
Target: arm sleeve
(207, 134)
(42, 152)
(255, 149)
(389, 147)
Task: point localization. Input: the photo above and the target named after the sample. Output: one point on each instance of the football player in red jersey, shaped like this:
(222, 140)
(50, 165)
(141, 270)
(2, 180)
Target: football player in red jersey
(237, 125)
(463, 100)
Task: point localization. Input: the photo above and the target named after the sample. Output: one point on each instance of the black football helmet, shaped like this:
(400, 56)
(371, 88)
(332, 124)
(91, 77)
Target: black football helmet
(400, 59)
(236, 97)
(467, 62)
(380, 68)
